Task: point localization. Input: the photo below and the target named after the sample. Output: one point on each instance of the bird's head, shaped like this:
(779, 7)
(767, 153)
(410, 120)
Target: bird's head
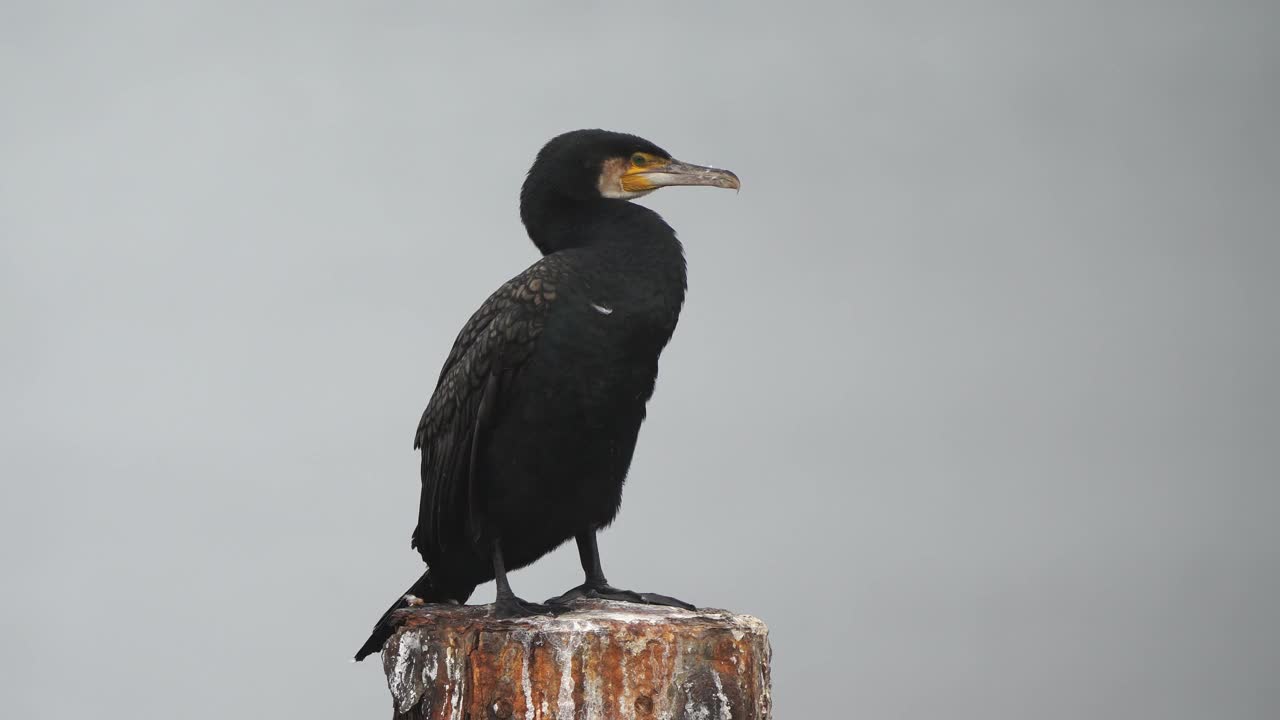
(583, 167)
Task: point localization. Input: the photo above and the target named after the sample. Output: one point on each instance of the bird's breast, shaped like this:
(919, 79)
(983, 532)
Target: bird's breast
(627, 326)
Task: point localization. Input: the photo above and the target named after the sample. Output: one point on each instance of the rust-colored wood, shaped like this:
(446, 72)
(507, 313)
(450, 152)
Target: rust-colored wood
(603, 661)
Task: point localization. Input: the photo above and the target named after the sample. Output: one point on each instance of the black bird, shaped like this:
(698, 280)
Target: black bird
(527, 439)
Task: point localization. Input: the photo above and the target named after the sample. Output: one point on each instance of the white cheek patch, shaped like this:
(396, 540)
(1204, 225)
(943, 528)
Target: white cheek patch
(610, 182)
(618, 193)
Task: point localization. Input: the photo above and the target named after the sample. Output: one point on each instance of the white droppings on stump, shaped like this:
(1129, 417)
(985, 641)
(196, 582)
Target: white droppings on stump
(526, 642)
(724, 699)
(564, 656)
(402, 686)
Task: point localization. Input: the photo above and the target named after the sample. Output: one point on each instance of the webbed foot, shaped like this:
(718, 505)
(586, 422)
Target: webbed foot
(608, 592)
(513, 607)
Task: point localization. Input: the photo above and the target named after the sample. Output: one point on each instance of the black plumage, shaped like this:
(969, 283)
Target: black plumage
(529, 434)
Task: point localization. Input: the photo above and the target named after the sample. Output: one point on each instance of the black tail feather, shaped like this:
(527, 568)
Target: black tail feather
(425, 590)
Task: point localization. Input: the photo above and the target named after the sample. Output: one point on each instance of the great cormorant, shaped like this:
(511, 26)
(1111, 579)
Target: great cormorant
(527, 439)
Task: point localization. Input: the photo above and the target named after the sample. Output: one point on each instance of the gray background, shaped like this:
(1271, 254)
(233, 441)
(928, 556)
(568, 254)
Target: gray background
(974, 399)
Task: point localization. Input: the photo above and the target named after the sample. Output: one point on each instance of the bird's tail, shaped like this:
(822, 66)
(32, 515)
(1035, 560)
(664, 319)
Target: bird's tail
(427, 590)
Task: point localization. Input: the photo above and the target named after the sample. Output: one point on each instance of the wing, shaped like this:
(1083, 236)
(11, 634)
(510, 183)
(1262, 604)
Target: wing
(468, 399)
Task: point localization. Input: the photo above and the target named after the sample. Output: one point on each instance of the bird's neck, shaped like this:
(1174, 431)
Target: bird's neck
(560, 223)
(632, 258)
(634, 251)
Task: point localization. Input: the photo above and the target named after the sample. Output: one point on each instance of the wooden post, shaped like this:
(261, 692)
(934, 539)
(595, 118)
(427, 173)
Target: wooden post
(603, 661)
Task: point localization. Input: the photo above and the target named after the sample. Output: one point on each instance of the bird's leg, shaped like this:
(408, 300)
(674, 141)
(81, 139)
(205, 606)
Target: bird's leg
(596, 586)
(589, 554)
(507, 604)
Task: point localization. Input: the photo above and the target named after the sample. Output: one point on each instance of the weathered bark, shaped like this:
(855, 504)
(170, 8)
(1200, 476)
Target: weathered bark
(603, 661)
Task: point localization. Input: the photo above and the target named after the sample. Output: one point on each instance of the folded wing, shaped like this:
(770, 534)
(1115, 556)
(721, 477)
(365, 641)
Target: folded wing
(469, 398)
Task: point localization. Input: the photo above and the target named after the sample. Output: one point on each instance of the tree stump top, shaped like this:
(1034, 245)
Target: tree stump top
(601, 661)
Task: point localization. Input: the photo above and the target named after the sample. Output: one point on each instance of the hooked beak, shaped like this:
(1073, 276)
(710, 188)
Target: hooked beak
(665, 173)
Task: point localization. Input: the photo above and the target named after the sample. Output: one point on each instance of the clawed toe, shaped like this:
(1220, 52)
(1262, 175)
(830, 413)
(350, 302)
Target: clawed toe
(569, 596)
(656, 599)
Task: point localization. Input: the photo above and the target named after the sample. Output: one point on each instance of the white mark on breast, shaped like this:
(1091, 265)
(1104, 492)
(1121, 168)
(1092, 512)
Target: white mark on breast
(602, 309)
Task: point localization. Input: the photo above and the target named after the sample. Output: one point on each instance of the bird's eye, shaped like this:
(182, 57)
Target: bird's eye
(639, 160)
